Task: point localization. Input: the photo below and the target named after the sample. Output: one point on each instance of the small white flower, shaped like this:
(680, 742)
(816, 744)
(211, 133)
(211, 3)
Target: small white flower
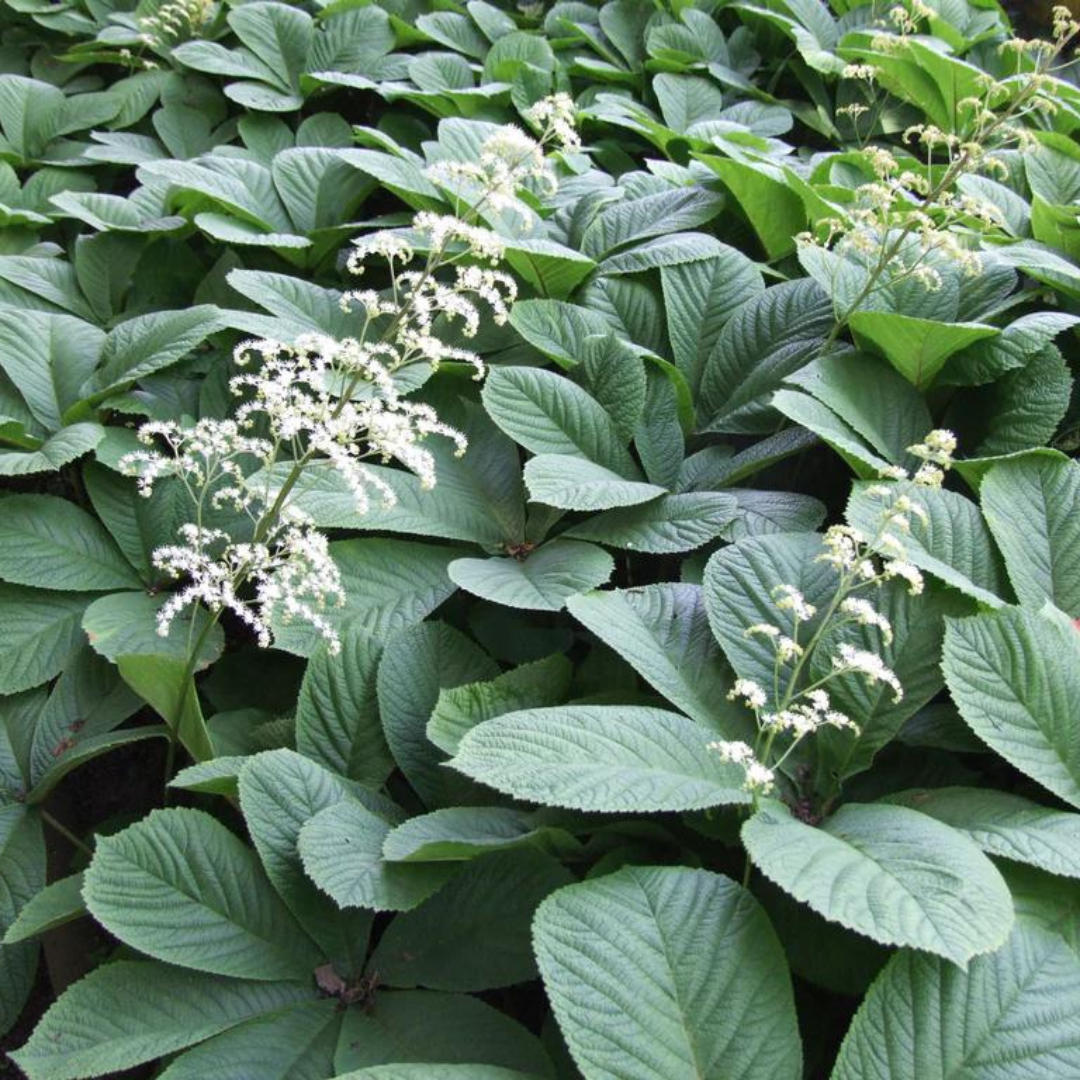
(792, 600)
(751, 692)
(865, 614)
(870, 666)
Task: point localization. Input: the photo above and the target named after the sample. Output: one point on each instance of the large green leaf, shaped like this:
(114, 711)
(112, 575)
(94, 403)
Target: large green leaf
(337, 722)
(662, 631)
(129, 1012)
(1030, 505)
(540, 580)
(293, 1043)
(599, 757)
(952, 542)
(41, 630)
(917, 348)
(460, 708)
(473, 934)
(890, 873)
(404, 1026)
(1015, 677)
(341, 847)
(65, 446)
(22, 876)
(768, 338)
(45, 540)
(686, 960)
(416, 665)
(435, 1072)
(664, 526)
(548, 414)
(1004, 824)
(1010, 1014)
(180, 887)
(569, 483)
(279, 791)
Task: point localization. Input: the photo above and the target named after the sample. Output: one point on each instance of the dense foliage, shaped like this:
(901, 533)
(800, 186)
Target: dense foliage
(539, 542)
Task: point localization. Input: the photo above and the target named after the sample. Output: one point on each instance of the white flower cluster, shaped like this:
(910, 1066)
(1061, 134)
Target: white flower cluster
(175, 19)
(291, 575)
(321, 399)
(759, 778)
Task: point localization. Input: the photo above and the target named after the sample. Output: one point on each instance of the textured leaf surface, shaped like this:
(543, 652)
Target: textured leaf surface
(598, 757)
(664, 526)
(1015, 677)
(1011, 1014)
(473, 934)
(687, 962)
(662, 631)
(887, 872)
(341, 847)
(541, 581)
(1030, 505)
(573, 484)
(129, 1012)
(1005, 824)
(41, 630)
(182, 888)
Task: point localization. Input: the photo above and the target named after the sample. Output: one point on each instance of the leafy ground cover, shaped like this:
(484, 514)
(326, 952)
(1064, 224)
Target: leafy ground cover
(539, 542)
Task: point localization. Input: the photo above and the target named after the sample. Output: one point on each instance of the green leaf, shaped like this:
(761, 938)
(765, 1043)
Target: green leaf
(688, 962)
(674, 249)
(541, 580)
(896, 876)
(41, 630)
(434, 1072)
(474, 933)
(460, 833)
(664, 526)
(297, 1041)
(548, 414)
(58, 450)
(337, 722)
(22, 876)
(568, 483)
(279, 791)
(558, 329)
(48, 357)
(917, 348)
(952, 543)
(665, 212)
(1015, 677)
(768, 338)
(147, 343)
(47, 540)
(127, 1013)
(388, 584)
(57, 903)
(1005, 825)
(416, 665)
(1030, 505)
(1012, 1013)
(180, 887)
(613, 759)
(461, 708)
(426, 1025)
(739, 586)
(124, 624)
(663, 633)
(699, 298)
(341, 847)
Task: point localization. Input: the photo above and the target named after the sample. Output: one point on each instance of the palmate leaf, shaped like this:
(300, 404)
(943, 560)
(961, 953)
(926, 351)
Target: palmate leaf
(180, 887)
(129, 1012)
(1012, 1013)
(887, 872)
(1015, 677)
(613, 759)
(689, 964)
